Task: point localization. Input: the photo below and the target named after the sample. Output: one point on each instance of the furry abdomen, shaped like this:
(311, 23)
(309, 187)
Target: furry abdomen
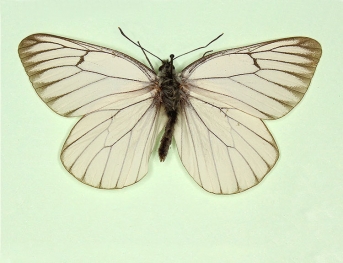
(170, 95)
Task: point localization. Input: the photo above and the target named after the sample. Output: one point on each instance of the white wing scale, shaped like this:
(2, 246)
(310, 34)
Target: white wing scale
(75, 78)
(111, 148)
(111, 145)
(228, 156)
(232, 90)
(265, 80)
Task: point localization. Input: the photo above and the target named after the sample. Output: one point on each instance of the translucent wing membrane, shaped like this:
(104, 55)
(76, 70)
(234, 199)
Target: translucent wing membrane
(110, 148)
(225, 150)
(111, 145)
(75, 78)
(220, 136)
(265, 80)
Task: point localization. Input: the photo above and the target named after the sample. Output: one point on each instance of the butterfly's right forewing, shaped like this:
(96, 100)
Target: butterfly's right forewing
(265, 80)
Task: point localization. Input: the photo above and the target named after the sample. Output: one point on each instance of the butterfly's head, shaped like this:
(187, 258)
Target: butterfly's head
(167, 68)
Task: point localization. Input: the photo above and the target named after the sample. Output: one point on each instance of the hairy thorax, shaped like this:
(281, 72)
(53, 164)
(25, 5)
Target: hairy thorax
(170, 93)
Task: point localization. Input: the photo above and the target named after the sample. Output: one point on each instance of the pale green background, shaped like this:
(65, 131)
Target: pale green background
(294, 215)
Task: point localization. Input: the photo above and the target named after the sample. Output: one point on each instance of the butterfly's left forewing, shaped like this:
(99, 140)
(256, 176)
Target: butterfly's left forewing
(75, 78)
(111, 145)
(221, 138)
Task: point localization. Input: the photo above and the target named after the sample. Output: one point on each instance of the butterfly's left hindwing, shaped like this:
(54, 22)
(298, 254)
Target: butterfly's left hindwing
(110, 148)
(111, 145)
(221, 139)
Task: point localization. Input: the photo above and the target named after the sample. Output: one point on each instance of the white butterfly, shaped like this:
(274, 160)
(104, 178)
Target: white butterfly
(214, 108)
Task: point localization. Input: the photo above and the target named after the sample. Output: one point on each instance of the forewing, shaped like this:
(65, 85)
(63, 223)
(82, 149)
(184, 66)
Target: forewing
(225, 150)
(75, 78)
(264, 80)
(110, 148)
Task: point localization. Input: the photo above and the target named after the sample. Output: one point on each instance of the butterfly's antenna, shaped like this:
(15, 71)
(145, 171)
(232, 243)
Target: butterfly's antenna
(121, 31)
(139, 44)
(200, 47)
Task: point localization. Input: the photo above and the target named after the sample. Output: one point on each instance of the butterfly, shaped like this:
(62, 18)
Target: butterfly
(214, 108)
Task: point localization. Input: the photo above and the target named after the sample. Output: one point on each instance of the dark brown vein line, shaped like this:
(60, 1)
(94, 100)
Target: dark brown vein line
(299, 44)
(82, 152)
(45, 70)
(105, 166)
(233, 169)
(51, 82)
(290, 88)
(89, 84)
(206, 126)
(259, 110)
(238, 51)
(68, 113)
(214, 162)
(112, 52)
(125, 155)
(135, 123)
(49, 60)
(246, 161)
(83, 70)
(153, 124)
(251, 145)
(263, 94)
(194, 146)
(312, 56)
(297, 75)
(82, 48)
(101, 122)
(90, 46)
(230, 117)
(280, 52)
(84, 175)
(35, 53)
(54, 82)
(146, 140)
(308, 66)
(68, 93)
(115, 77)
